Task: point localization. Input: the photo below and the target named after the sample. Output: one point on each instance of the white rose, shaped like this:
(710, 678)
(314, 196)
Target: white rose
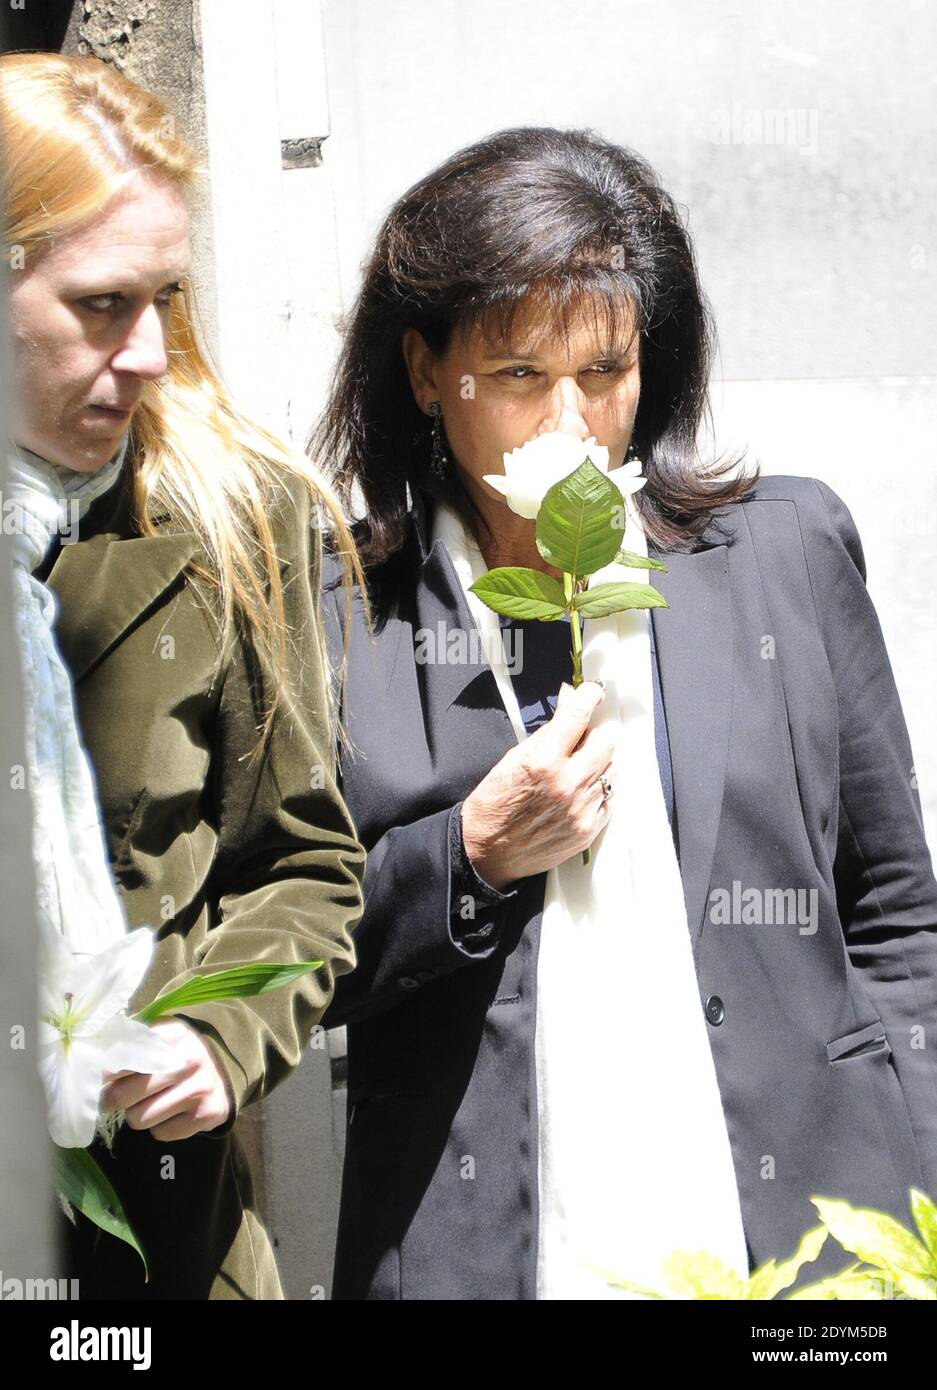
(530, 472)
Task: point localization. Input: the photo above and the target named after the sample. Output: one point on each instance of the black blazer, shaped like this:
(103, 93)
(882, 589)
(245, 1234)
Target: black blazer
(792, 767)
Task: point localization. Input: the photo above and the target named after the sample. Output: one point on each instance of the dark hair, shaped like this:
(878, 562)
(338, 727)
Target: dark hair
(528, 211)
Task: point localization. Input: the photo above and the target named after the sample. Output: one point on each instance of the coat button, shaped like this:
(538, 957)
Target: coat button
(407, 982)
(714, 1009)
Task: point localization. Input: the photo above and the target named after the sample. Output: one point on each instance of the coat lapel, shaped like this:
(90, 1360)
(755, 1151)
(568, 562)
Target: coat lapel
(694, 644)
(108, 580)
(694, 652)
(462, 676)
(106, 585)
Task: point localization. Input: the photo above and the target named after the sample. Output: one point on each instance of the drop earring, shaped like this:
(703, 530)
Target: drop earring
(438, 459)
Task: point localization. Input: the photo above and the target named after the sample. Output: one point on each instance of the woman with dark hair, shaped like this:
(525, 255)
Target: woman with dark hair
(558, 1068)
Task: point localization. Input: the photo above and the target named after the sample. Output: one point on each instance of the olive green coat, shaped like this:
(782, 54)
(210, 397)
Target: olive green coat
(232, 859)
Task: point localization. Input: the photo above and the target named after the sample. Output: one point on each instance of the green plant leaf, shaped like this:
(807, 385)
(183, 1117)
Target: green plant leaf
(852, 1284)
(617, 1282)
(578, 527)
(240, 982)
(875, 1237)
(604, 599)
(639, 562)
(522, 593)
(771, 1278)
(924, 1211)
(700, 1275)
(83, 1184)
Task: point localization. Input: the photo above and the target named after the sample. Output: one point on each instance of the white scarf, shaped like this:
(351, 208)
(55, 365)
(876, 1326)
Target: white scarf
(634, 1156)
(76, 894)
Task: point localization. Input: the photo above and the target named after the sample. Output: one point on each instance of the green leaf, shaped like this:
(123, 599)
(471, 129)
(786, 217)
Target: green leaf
(700, 1275)
(875, 1237)
(240, 982)
(617, 1282)
(852, 1284)
(604, 599)
(578, 527)
(522, 593)
(771, 1278)
(639, 562)
(80, 1180)
(924, 1211)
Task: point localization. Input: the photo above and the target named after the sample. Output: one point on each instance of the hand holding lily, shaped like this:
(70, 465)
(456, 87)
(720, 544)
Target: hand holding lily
(162, 1078)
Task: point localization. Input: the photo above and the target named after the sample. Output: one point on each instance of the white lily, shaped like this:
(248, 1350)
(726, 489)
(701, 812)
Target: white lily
(84, 1029)
(530, 471)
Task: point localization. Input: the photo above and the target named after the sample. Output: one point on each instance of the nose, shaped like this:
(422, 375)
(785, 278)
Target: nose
(564, 407)
(143, 351)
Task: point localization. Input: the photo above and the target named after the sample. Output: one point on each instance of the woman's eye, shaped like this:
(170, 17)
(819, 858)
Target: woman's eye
(101, 303)
(107, 303)
(165, 299)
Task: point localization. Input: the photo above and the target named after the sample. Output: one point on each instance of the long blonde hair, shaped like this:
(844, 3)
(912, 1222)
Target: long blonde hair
(75, 131)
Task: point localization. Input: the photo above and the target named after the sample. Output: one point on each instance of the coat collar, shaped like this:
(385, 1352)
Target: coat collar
(694, 651)
(111, 576)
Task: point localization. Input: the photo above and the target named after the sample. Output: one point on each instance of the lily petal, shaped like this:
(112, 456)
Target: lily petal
(72, 1076)
(102, 984)
(127, 1045)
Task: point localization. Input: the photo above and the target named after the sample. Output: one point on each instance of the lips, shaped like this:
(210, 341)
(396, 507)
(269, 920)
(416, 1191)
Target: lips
(116, 410)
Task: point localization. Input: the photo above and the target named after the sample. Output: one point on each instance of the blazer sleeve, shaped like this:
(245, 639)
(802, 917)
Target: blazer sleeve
(286, 881)
(427, 912)
(886, 890)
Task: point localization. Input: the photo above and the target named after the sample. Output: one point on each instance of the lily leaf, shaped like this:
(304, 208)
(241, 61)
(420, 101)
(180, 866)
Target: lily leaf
(240, 982)
(522, 593)
(83, 1184)
(578, 525)
(604, 599)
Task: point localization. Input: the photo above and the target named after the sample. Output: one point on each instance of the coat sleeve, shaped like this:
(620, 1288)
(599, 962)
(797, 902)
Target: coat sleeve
(426, 914)
(886, 890)
(286, 881)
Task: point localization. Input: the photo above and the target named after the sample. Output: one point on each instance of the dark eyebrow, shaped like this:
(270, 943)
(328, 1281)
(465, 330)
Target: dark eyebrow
(610, 353)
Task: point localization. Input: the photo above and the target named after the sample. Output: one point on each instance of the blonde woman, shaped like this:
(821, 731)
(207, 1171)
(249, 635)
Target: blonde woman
(168, 563)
